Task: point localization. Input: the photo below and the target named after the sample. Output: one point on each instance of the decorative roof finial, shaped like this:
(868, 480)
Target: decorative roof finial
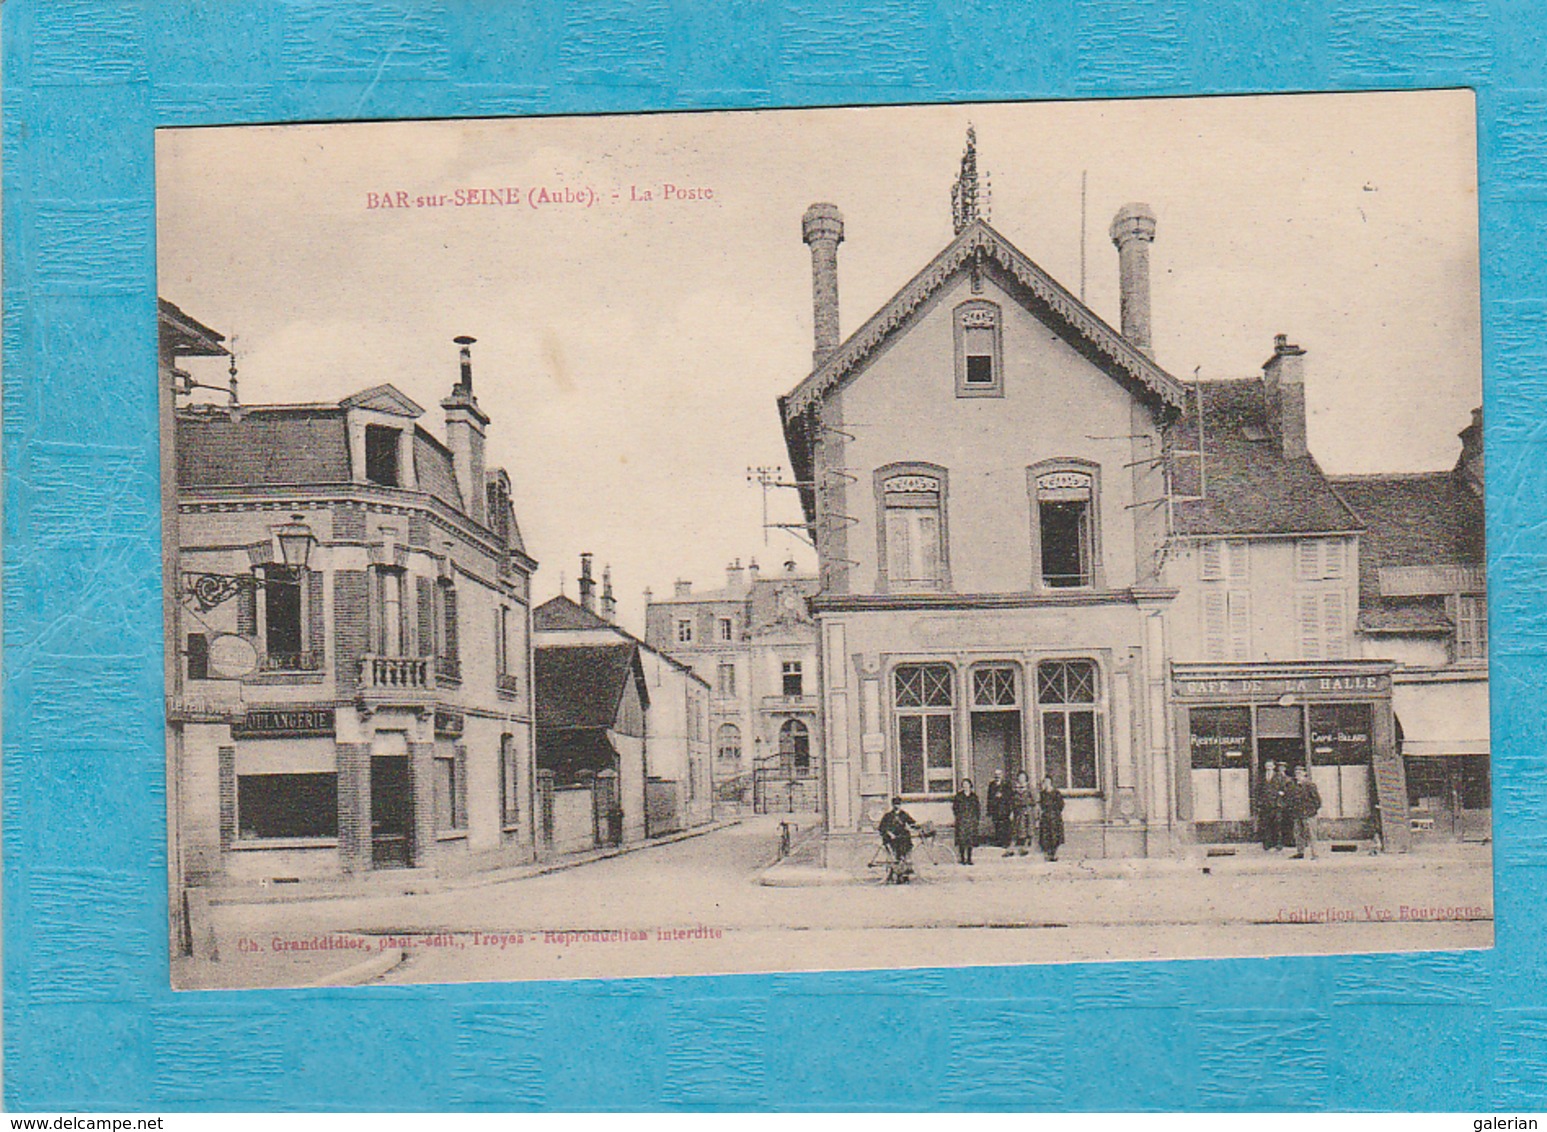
(964, 193)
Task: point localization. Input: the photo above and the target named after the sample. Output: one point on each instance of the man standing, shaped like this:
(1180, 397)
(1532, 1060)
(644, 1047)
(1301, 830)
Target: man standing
(1269, 813)
(999, 808)
(965, 812)
(1306, 801)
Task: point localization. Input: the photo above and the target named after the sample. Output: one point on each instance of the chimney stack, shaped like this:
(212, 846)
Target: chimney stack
(609, 603)
(1283, 376)
(587, 585)
(1133, 231)
(682, 589)
(822, 229)
(1470, 466)
(465, 425)
(752, 569)
(734, 577)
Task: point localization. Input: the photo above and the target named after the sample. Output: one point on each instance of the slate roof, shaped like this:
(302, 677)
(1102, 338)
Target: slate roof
(1249, 487)
(562, 613)
(276, 445)
(582, 685)
(1425, 519)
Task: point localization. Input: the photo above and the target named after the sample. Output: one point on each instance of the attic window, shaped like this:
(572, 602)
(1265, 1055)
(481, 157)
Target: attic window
(381, 449)
(979, 366)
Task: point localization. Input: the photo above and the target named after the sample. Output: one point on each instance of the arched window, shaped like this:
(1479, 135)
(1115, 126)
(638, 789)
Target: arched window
(727, 743)
(924, 699)
(795, 748)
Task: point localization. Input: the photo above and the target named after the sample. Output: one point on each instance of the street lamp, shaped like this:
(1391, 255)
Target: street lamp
(209, 590)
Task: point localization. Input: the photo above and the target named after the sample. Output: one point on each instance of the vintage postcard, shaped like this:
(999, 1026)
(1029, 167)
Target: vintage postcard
(826, 539)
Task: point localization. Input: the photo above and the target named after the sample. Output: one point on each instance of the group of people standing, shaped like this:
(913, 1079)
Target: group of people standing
(1014, 811)
(1287, 809)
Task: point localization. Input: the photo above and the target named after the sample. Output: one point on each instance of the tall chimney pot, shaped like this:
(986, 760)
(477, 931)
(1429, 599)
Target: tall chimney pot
(587, 585)
(1132, 232)
(609, 602)
(465, 425)
(822, 229)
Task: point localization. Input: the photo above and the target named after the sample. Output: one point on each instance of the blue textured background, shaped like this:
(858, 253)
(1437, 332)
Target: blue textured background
(89, 1021)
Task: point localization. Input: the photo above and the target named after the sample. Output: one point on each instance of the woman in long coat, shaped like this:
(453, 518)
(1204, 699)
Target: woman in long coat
(1050, 820)
(1022, 801)
(966, 811)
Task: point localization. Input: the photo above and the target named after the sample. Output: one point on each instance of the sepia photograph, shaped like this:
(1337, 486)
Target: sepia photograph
(835, 539)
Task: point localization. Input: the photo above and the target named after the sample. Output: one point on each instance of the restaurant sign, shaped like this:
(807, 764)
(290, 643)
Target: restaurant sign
(284, 722)
(1260, 688)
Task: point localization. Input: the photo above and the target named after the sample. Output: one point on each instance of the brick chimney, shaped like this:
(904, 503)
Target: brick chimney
(1132, 232)
(465, 425)
(609, 603)
(1470, 466)
(587, 584)
(822, 229)
(735, 577)
(1283, 377)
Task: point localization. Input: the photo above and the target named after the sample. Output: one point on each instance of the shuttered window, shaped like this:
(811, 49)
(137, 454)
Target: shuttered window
(1318, 559)
(1223, 560)
(1323, 621)
(1227, 624)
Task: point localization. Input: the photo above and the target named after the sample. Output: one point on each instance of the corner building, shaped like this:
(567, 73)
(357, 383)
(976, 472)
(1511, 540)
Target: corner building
(354, 642)
(1039, 551)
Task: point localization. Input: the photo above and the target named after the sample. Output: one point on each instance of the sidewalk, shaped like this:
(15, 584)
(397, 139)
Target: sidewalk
(417, 882)
(854, 859)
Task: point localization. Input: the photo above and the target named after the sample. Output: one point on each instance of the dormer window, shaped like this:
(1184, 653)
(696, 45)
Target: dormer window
(979, 368)
(381, 455)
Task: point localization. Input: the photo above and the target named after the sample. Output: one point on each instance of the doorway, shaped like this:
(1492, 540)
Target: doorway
(996, 723)
(392, 812)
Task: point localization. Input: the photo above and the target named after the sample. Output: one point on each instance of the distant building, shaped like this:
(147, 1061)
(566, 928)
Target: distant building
(676, 765)
(1423, 603)
(353, 671)
(754, 643)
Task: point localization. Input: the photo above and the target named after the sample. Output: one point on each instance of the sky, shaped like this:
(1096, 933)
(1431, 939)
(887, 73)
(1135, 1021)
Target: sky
(630, 351)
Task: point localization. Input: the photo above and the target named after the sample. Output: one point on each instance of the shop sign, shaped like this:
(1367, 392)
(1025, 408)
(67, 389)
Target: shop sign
(1262, 688)
(448, 722)
(284, 722)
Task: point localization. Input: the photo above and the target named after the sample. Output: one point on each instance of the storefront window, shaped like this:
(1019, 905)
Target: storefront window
(1221, 742)
(287, 805)
(1341, 746)
(925, 705)
(1066, 699)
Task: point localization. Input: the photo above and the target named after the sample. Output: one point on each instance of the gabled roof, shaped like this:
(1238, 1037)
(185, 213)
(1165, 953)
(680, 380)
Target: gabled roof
(1039, 292)
(562, 613)
(184, 336)
(1248, 486)
(583, 685)
(383, 399)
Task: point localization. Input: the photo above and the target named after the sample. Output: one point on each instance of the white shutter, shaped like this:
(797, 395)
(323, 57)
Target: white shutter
(897, 549)
(1308, 615)
(1211, 560)
(1216, 625)
(1333, 625)
(1238, 556)
(1240, 618)
(1308, 559)
(1333, 565)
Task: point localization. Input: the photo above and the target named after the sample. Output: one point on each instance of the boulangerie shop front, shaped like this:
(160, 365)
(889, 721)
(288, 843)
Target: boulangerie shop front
(1335, 719)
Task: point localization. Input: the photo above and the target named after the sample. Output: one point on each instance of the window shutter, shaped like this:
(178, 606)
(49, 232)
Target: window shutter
(225, 764)
(1308, 559)
(928, 555)
(459, 800)
(316, 624)
(1334, 551)
(1212, 560)
(897, 549)
(1215, 624)
(426, 618)
(1240, 625)
(1238, 556)
(1334, 630)
(373, 611)
(1308, 613)
(449, 611)
(247, 609)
